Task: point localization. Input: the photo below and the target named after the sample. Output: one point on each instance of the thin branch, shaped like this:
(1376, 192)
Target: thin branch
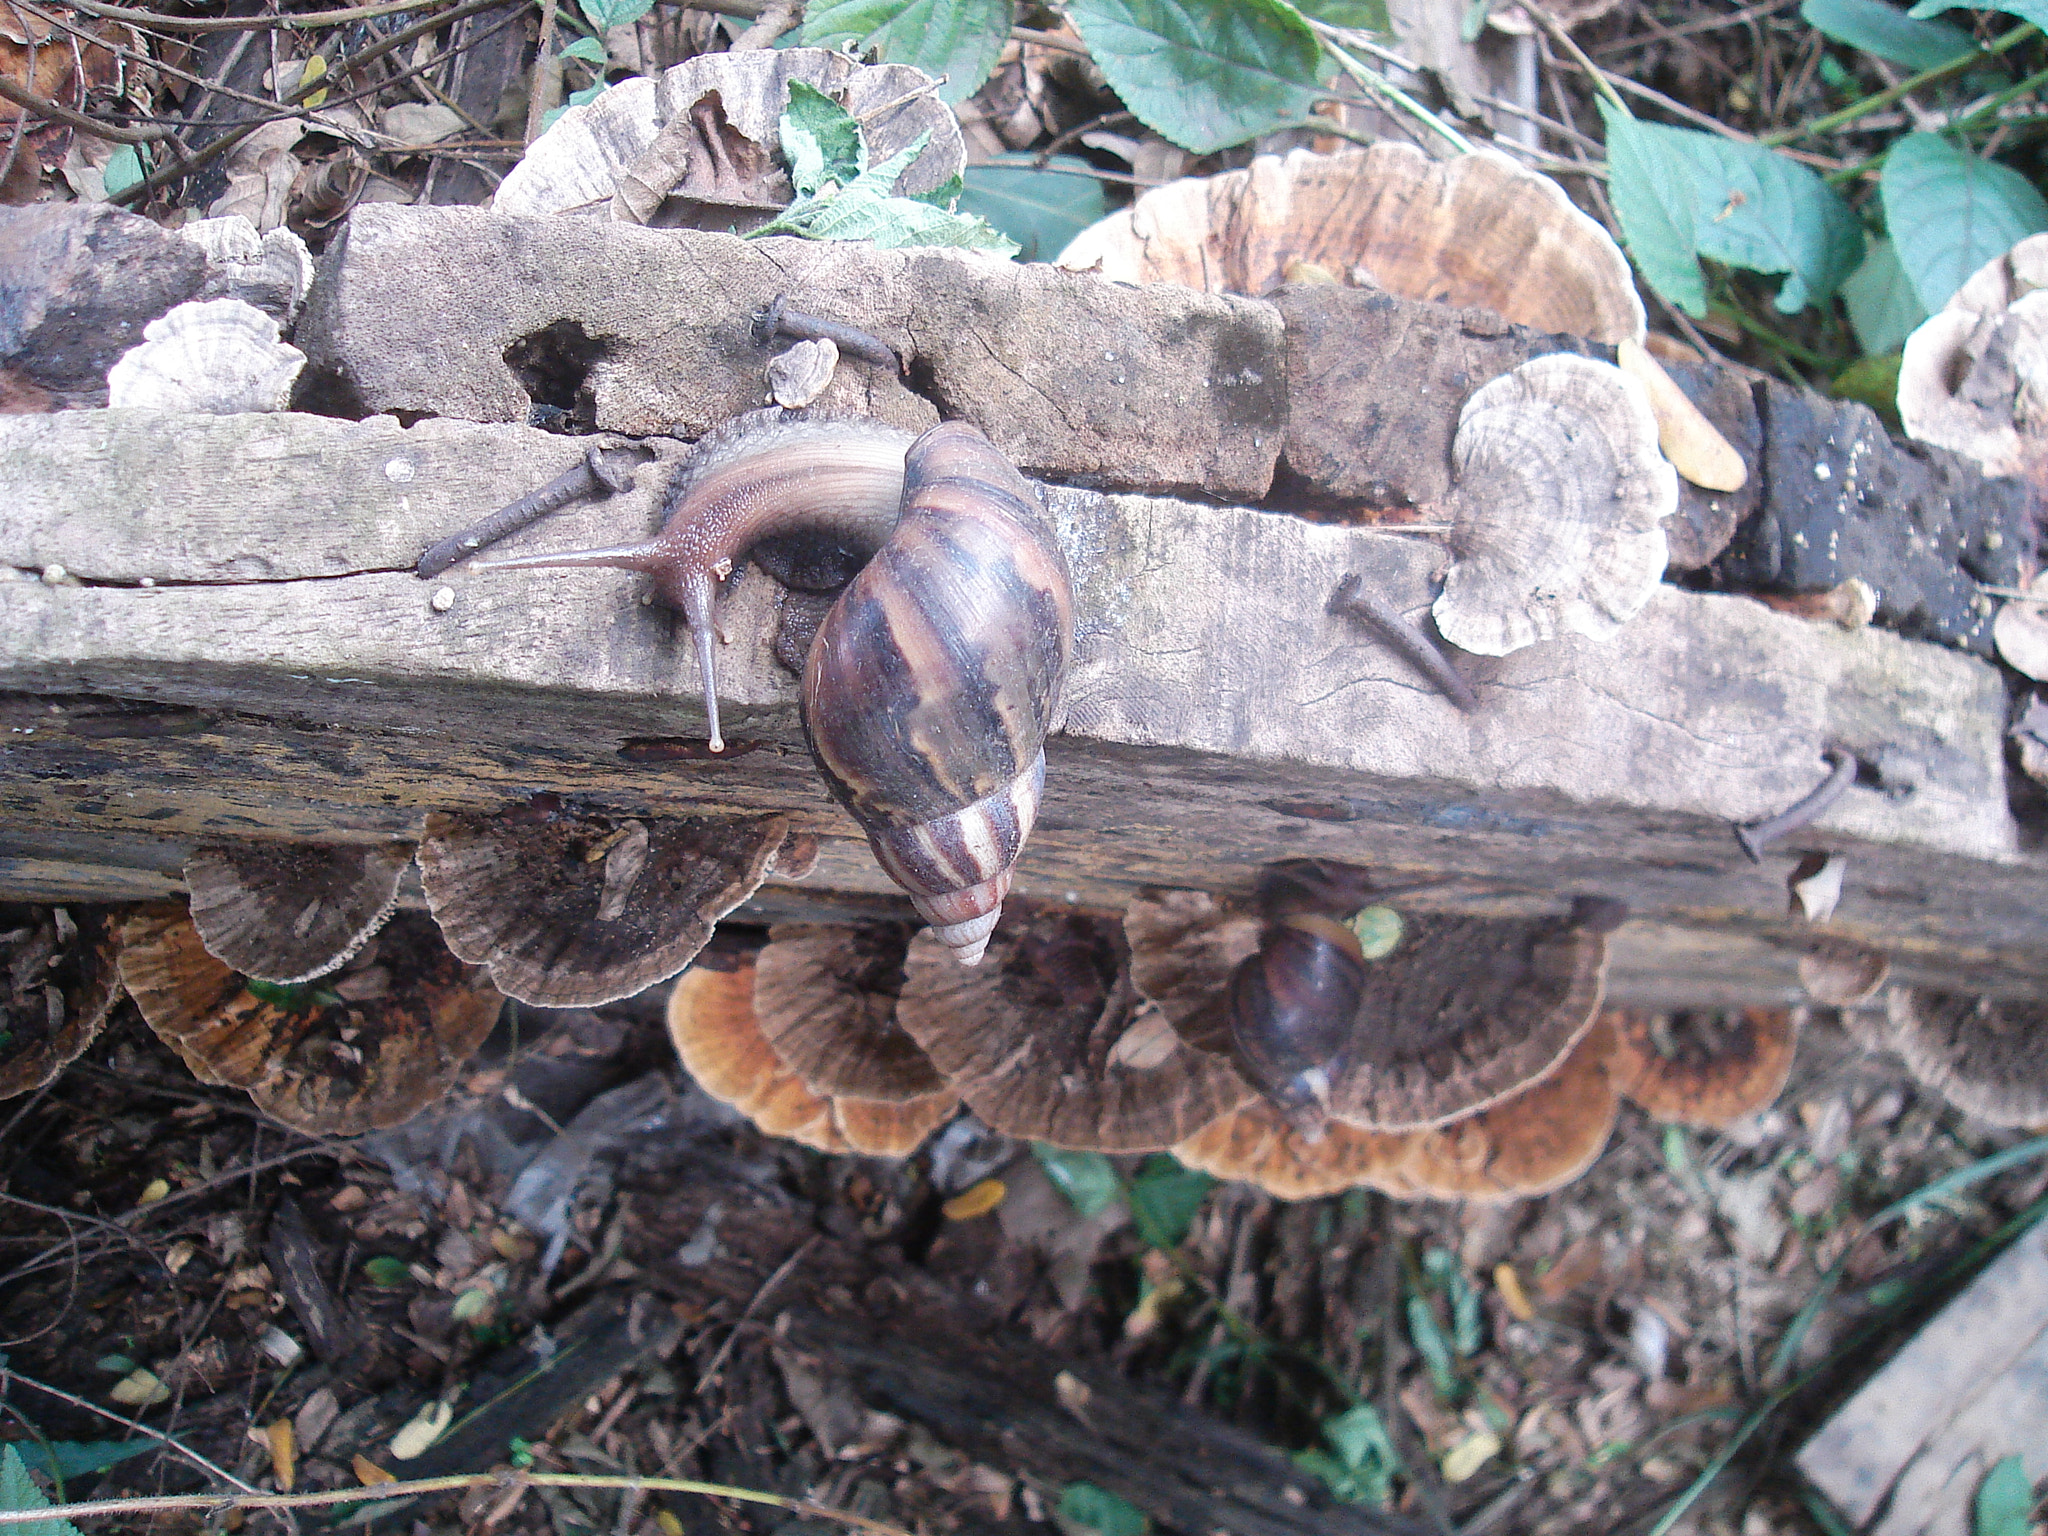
(300, 22)
(186, 1451)
(51, 111)
(1884, 98)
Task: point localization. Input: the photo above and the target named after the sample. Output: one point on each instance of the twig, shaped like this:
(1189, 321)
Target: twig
(547, 65)
(1555, 31)
(30, 101)
(303, 21)
(1334, 40)
(1354, 598)
(382, 1491)
(1705, 24)
(197, 1460)
(1884, 98)
(776, 18)
(782, 1271)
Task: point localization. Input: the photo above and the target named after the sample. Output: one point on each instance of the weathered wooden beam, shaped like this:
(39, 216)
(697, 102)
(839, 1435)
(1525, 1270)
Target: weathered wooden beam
(287, 676)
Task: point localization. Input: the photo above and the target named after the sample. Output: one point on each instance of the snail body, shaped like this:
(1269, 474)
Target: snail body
(936, 675)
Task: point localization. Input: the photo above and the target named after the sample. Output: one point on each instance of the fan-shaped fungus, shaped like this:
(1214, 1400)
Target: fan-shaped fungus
(1257, 1145)
(61, 984)
(219, 357)
(1982, 1054)
(285, 913)
(1704, 1068)
(1974, 378)
(825, 999)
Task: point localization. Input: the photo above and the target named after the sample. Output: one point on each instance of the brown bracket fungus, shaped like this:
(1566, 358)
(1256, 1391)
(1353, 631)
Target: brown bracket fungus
(1974, 378)
(221, 357)
(825, 999)
(1047, 1038)
(361, 1051)
(1475, 231)
(1257, 1145)
(1465, 1012)
(1705, 1069)
(711, 1019)
(1539, 1140)
(1841, 973)
(1184, 947)
(569, 908)
(285, 913)
(1982, 1054)
(1559, 506)
(61, 984)
(698, 141)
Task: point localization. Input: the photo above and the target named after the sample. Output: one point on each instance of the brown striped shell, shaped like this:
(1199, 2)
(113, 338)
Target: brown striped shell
(934, 680)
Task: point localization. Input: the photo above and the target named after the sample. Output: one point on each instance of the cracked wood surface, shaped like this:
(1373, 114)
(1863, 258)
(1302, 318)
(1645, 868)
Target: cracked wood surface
(289, 677)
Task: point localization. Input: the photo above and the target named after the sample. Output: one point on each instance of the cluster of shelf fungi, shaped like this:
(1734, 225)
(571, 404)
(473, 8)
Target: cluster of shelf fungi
(1462, 1057)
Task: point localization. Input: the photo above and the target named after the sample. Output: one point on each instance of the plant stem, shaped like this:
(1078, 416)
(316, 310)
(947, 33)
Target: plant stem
(1906, 87)
(1377, 84)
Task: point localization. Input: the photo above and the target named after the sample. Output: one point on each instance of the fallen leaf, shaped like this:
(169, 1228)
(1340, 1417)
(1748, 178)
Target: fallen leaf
(1509, 1284)
(284, 1454)
(1470, 1454)
(422, 1430)
(139, 1389)
(368, 1473)
(976, 1201)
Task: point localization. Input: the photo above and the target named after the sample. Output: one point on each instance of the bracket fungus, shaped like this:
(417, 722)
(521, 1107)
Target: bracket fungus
(286, 913)
(1703, 1068)
(219, 357)
(1841, 973)
(825, 997)
(1049, 1039)
(1559, 506)
(570, 908)
(1258, 1145)
(698, 140)
(60, 985)
(359, 1052)
(718, 1038)
(1982, 1054)
(1974, 378)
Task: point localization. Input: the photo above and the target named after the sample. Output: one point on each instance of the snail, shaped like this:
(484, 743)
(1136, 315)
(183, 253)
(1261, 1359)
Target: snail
(936, 676)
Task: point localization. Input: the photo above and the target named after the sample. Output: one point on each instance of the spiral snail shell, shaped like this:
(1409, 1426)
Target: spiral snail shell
(1292, 1011)
(936, 676)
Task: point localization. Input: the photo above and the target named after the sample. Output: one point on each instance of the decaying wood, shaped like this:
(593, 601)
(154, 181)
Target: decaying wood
(287, 677)
(1971, 1388)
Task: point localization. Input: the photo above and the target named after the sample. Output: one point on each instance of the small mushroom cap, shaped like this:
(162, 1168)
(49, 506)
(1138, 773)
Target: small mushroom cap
(1560, 500)
(711, 1020)
(1257, 1145)
(320, 1062)
(569, 909)
(1840, 973)
(1702, 1068)
(1974, 378)
(825, 999)
(60, 983)
(1465, 1012)
(1538, 1140)
(1983, 1054)
(1185, 945)
(285, 913)
(579, 164)
(220, 357)
(1047, 1038)
(1474, 231)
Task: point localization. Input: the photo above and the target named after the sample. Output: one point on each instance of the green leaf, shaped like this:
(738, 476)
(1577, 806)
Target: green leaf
(1427, 1335)
(865, 209)
(2004, 1500)
(2035, 11)
(1359, 15)
(1039, 209)
(1949, 212)
(1085, 1178)
(958, 39)
(1883, 308)
(1205, 74)
(1442, 1269)
(1875, 382)
(66, 1459)
(1653, 199)
(820, 140)
(123, 170)
(18, 1491)
(588, 49)
(1098, 1510)
(606, 14)
(385, 1271)
(1758, 209)
(1363, 1468)
(1888, 32)
(1164, 1198)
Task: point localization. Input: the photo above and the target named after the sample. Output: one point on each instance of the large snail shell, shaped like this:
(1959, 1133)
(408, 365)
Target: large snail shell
(1292, 1012)
(934, 680)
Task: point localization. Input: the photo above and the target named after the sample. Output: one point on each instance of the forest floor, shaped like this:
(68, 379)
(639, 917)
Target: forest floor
(286, 1308)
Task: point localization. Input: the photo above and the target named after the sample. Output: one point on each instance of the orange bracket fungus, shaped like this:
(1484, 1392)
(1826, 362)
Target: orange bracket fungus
(825, 998)
(1704, 1069)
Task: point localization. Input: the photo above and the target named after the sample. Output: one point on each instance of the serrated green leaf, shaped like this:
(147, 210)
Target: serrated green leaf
(1098, 1510)
(18, 1491)
(1164, 1198)
(66, 1459)
(588, 49)
(820, 140)
(1040, 209)
(2005, 1499)
(606, 14)
(1883, 307)
(865, 209)
(957, 39)
(1763, 211)
(1085, 1178)
(2035, 11)
(1359, 15)
(1949, 212)
(1204, 74)
(1888, 32)
(1653, 198)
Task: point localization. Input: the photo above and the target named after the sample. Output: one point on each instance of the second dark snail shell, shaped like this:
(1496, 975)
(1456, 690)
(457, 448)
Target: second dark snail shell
(1292, 1009)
